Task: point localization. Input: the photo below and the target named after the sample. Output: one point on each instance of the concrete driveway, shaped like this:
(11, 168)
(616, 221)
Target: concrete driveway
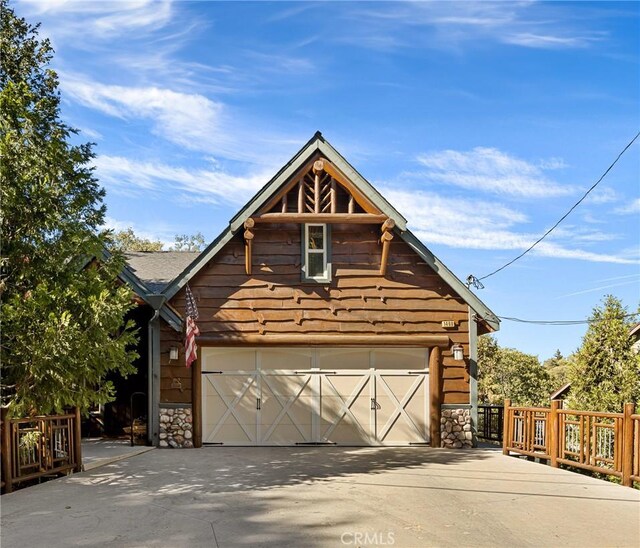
(322, 496)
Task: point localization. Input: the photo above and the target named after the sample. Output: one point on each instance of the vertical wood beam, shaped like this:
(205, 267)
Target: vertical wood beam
(506, 427)
(6, 450)
(318, 166)
(77, 439)
(301, 196)
(627, 447)
(435, 395)
(334, 196)
(554, 432)
(387, 236)
(352, 205)
(248, 241)
(196, 399)
(284, 203)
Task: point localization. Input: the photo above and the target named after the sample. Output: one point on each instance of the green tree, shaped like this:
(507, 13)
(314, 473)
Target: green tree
(558, 368)
(126, 240)
(62, 312)
(606, 371)
(509, 373)
(188, 242)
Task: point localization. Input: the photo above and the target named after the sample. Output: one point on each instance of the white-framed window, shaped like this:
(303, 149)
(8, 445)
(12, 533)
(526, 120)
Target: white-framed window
(316, 264)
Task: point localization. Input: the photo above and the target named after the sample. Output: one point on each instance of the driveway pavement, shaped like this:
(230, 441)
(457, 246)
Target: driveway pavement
(322, 496)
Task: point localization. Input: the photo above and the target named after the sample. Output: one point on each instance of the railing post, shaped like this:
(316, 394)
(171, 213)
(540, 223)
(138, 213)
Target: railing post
(506, 435)
(627, 444)
(435, 395)
(554, 432)
(77, 440)
(6, 450)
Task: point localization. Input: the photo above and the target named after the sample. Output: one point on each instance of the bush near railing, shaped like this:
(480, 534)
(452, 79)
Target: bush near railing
(607, 443)
(39, 446)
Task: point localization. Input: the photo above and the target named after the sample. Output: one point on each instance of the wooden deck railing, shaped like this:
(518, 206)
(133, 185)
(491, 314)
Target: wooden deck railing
(39, 446)
(608, 443)
(490, 422)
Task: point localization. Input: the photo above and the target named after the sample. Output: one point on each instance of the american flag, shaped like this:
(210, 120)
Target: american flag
(192, 331)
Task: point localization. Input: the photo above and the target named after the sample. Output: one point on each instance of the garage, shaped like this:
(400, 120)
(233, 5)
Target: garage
(315, 396)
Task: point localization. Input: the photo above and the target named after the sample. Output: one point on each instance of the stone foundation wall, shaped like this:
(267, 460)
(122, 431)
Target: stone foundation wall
(456, 429)
(176, 427)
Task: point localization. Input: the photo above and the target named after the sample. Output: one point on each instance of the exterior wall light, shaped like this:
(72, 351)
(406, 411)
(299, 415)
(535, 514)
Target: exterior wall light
(173, 353)
(458, 352)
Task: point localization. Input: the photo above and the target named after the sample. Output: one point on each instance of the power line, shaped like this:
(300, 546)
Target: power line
(564, 322)
(476, 282)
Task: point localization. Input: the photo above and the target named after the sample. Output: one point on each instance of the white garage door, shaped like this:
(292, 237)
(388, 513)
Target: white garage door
(289, 396)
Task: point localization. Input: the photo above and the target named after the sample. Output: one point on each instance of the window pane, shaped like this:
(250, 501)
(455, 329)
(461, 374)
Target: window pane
(315, 265)
(315, 237)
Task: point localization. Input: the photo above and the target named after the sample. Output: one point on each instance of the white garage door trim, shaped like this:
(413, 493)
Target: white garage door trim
(333, 410)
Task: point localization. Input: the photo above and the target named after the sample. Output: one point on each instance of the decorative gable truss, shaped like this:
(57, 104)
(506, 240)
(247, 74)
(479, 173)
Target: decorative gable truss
(320, 193)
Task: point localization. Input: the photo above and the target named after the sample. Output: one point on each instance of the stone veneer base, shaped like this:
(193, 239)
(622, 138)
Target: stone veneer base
(176, 427)
(456, 430)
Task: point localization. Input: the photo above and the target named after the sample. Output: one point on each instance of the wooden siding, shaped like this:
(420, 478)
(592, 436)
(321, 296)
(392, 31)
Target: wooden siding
(410, 299)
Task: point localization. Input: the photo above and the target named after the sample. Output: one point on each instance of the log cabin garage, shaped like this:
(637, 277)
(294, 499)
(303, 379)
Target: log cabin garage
(322, 319)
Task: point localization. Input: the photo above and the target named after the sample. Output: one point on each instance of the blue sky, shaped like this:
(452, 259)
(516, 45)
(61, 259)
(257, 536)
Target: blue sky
(481, 122)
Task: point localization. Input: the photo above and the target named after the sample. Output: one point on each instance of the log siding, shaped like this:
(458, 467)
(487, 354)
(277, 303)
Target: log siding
(409, 299)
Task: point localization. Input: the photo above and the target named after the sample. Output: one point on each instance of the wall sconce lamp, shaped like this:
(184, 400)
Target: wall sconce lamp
(458, 352)
(173, 353)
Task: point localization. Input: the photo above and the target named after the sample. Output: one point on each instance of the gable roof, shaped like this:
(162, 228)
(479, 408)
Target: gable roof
(318, 144)
(156, 269)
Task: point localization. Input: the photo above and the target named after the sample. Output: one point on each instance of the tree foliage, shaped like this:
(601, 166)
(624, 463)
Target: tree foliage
(558, 368)
(62, 312)
(126, 240)
(188, 242)
(605, 373)
(509, 373)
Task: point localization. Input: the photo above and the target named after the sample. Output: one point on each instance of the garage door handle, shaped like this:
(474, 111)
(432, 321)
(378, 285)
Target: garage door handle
(211, 372)
(258, 403)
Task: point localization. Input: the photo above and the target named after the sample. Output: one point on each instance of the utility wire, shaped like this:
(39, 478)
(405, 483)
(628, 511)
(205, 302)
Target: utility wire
(565, 322)
(472, 280)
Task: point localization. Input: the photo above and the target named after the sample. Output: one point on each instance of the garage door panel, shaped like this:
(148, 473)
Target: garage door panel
(401, 408)
(284, 396)
(282, 358)
(400, 358)
(343, 358)
(225, 359)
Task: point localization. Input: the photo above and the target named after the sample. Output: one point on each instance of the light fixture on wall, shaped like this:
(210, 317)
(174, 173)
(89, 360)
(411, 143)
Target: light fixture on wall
(173, 353)
(458, 352)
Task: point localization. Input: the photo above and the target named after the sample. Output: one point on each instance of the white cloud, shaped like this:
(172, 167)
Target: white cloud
(631, 208)
(103, 19)
(477, 224)
(545, 41)
(491, 170)
(190, 120)
(448, 25)
(187, 119)
(129, 177)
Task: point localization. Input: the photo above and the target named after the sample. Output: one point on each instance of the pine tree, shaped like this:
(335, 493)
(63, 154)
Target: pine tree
(62, 312)
(606, 371)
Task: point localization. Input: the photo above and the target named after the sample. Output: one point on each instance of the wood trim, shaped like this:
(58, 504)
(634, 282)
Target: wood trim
(324, 218)
(196, 399)
(248, 241)
(435, 395)
(361, 198)
(428, 341)
(296, 178)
